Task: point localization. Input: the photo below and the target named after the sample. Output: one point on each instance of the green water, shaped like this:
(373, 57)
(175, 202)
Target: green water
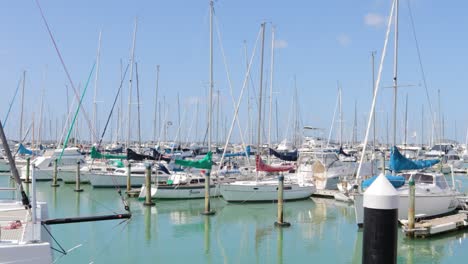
(322, 231)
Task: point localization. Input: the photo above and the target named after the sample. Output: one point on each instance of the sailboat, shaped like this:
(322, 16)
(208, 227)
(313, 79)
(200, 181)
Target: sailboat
(433, 195)
(265, 190)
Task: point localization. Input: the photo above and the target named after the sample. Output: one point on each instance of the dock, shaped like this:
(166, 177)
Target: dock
(333, 194)
(430, 227)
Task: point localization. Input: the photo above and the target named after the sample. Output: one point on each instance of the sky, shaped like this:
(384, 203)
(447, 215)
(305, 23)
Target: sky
(317, 43)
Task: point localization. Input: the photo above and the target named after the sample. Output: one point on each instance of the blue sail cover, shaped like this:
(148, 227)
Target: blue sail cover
(399, 162)
(247, 153)
(396, 181)
(23, 150)
(286, 156)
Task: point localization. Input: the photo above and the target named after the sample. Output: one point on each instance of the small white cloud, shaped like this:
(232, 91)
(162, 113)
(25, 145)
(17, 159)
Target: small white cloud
(344, 40)
(281, 44)
(374, 20)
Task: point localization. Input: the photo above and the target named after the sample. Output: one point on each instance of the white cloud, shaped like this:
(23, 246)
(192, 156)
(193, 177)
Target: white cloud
(281, 44)
(374, 20)
(344, 40)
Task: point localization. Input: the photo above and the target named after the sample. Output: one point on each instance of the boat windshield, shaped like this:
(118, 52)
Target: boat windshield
(441, 182)
(420, 178)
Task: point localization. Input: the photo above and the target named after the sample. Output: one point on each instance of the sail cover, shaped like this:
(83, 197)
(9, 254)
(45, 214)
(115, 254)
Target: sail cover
(396, 181)
(98, 155)
(23, 150)
(159, 156)
(204, 163)
(246, 153)
(399, 162)
(132, 155)
(287, 156)
(261, 166)
(341, 152)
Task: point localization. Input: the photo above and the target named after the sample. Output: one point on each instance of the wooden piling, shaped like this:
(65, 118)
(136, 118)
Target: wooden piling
(54, 176)
(78, 183)
(412, 206)
(207, 195)
(279, 222)
(148, 201)
(28, 167)
(129, 174)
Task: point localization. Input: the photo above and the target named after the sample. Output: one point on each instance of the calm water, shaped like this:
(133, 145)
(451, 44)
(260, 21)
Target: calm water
(322, 231)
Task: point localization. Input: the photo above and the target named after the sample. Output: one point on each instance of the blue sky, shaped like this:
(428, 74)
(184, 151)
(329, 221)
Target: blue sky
(319, 42)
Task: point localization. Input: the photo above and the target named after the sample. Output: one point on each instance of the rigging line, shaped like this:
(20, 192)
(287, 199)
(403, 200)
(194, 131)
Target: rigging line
(113, 106)
(228, 77)
(239, 102)
(65, 67)
(11, 104)
(376, 90)
(62, 250)
(421, 64)
(65, 143)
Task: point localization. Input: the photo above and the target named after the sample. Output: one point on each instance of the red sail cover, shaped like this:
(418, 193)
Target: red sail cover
(264, 167)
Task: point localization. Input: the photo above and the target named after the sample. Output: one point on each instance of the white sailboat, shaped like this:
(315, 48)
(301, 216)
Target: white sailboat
(433, 195)
(265, 190)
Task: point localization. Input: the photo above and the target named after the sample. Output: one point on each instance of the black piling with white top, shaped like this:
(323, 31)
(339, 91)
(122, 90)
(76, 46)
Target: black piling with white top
(381, 202)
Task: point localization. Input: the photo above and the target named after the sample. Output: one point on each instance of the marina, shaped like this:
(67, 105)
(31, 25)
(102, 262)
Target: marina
(233, 132)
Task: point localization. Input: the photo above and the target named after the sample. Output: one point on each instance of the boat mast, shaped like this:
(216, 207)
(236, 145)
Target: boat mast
(395, 74)
(422, 126)
(138, 104)
(373, 91)
(95, 91)
(156, 103)
(341, 114)
(129, 121)
(22, 108)
(406, 121)
(260, 93)
(41, 111)
(210, 96)
(271, 86)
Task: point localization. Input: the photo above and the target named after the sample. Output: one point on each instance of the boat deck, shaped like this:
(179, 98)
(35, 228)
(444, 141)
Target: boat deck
(7, 221)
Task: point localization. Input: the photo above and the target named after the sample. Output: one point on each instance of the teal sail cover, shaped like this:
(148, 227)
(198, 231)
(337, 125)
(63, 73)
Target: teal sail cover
(247, 153)
(22, 150)
(396, 181)
(399, 162)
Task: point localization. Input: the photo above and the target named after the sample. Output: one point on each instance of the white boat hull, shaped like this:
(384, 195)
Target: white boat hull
(426, 206)
(179, 192)
(47, 174)
(263, 192)
(113, 180)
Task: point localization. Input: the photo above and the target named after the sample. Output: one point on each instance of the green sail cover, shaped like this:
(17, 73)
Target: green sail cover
(98, 155)
(204, 163)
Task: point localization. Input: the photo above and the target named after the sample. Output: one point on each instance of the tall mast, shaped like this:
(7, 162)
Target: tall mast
(440, 118)
(210, 96)
(249, 122)
(395, 74)
(272, 63)
(156, 103)
(130, 86)
(95, 123)
(22, 108)
(41, 111)
(422, 126)
(259, 129)
(138, 105)
(406, 121)
(217, 117)
(373, 91)
(341, 114)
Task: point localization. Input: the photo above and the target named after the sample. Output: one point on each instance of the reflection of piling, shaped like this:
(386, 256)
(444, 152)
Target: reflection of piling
(207, 235)
(129, 174)
(148, 223)
(28, 167)
(207, 195)
(380, 222)
(148, 201)
(54, 176)
(78, 182)
(412, 206)
(280, 221)
(279, 247)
